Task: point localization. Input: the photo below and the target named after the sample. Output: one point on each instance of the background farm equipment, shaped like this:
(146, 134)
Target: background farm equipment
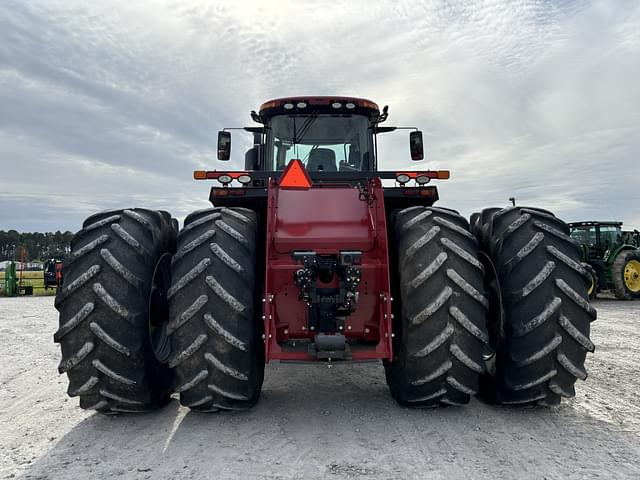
(17, 280)
(307, 257)
(612, 254)
(53, 273)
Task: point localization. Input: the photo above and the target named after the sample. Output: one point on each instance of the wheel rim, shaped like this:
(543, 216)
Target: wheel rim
(632, 275)
(592, 285)
(159, 309)
(495, 315)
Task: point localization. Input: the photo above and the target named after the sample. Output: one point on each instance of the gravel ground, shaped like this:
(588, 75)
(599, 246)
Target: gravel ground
(314, 422)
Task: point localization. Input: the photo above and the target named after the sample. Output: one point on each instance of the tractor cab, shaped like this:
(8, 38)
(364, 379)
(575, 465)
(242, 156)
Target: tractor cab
(333, 139)
(598, 239)
(328, 134)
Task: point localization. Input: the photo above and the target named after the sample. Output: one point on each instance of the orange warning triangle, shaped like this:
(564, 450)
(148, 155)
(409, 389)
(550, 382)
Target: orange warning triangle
(295, 176)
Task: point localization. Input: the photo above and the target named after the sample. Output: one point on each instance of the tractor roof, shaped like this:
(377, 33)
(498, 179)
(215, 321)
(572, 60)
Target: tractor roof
(595, 222)
(306, 104)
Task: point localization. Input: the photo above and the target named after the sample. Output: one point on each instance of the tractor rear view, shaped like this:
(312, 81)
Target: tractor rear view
(306, 256)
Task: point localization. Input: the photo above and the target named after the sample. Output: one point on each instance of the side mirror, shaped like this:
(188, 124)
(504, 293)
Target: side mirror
(224, 145)
(415, 145)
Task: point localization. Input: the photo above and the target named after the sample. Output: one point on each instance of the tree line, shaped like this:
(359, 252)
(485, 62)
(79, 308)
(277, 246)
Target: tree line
(34, 246)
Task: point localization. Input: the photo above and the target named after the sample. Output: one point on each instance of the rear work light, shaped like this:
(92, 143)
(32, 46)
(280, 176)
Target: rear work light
(244, 179)
(403, 178)
(422, 178)
(224, 179)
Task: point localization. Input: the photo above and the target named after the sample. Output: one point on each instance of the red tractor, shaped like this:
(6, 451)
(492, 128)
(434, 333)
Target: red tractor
(307, 257)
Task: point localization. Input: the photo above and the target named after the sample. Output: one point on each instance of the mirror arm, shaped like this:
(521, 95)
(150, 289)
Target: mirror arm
(393, 129)
(246, 129)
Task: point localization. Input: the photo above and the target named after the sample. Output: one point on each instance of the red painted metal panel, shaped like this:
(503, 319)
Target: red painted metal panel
(326, 220)
(323, 219)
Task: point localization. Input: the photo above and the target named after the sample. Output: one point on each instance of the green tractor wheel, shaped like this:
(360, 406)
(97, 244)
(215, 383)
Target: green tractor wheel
(626, 275)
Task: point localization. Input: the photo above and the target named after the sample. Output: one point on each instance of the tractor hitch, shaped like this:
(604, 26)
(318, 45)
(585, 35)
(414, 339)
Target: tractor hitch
(330, 347)
(330, 305)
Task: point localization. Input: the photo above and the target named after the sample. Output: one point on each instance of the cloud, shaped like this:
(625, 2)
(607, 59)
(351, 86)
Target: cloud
(114, 105)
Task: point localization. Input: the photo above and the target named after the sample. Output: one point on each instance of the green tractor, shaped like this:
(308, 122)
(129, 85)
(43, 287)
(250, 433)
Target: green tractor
(613, 256)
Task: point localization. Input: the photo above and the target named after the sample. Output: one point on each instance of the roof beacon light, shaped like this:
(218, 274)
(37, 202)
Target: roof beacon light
(422, 179)
(336, 105)
(368, 104)
(301, 104)
(403, 178)
(288, 106)
(244, 179)
(225, 179)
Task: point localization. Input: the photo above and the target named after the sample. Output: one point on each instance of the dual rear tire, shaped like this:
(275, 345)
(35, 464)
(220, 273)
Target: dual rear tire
(111, 301)
(146, 311)
(544, 327)
(503, 310)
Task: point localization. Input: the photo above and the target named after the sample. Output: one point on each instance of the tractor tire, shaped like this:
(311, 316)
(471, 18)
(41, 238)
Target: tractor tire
(215, 331)
(592, 281)
(440, 331)
(547, 315)
(626, 275)
(105, 321)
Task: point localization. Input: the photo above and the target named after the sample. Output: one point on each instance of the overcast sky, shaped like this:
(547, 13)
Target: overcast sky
(114, 104)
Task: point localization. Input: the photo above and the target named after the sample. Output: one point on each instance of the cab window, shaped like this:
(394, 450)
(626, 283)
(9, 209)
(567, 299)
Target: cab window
(322, 142)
